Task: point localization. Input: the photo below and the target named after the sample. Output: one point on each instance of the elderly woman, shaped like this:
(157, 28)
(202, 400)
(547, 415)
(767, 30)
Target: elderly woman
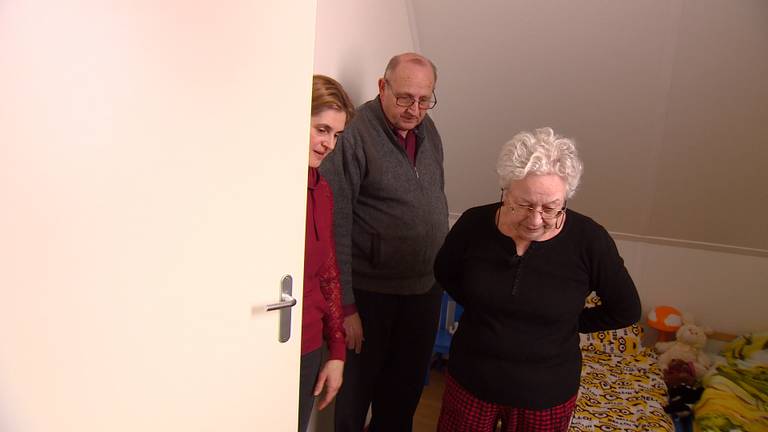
(522, 269)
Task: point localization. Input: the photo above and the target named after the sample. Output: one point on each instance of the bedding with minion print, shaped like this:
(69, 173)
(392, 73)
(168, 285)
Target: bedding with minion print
(622, 387)
(621, 392)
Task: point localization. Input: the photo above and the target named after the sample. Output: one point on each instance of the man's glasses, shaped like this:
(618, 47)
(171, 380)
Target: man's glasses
(408, 101)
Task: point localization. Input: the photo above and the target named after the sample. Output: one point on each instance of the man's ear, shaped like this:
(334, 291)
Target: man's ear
(382, 84)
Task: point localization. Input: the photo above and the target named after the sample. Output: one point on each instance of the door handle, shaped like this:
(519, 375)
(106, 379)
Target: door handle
(287, 302)
(284, 306)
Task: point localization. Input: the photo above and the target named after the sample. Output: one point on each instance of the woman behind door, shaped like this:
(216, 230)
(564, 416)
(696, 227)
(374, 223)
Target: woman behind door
(322, 311)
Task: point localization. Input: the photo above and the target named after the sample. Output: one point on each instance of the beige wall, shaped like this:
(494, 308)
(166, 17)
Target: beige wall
(652, 91)
(649, 73)
(725, 291)
(668, 101)
(356, 38)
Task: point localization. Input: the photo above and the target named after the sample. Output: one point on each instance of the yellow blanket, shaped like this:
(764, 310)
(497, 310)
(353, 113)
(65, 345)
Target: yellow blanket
(736, 396)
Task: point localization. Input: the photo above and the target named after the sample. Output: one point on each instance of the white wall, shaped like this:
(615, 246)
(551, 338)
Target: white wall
(354, 41)
(666, 99)
(355, 38)
(663, 99)
(725, 291)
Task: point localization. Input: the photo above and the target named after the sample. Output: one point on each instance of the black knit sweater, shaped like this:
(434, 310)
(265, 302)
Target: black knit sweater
(517, 342)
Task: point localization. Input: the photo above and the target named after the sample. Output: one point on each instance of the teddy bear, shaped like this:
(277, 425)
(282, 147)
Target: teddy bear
(688, 347)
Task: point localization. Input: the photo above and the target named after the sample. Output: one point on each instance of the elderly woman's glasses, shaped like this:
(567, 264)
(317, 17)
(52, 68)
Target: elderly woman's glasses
(548, 215)
(545, 213)
(408, 101)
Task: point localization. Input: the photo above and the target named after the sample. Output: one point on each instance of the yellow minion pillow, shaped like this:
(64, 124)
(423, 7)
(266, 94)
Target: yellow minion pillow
(621, 341)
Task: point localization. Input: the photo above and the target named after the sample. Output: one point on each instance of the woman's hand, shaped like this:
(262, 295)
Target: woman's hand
(354, 329)
(330, 377)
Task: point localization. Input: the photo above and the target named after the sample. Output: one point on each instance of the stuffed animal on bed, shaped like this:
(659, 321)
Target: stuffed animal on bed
(688, 347)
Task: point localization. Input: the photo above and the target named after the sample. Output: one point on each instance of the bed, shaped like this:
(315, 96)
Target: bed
(622, 388)
(735, 396)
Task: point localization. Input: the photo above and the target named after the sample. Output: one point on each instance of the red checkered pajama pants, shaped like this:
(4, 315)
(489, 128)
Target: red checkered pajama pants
(463, 412)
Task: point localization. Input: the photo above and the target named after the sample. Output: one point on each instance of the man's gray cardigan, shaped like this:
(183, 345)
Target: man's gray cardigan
(390, 217)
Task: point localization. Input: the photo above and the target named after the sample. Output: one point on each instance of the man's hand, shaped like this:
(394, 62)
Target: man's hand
(330, 377)
(354, 328)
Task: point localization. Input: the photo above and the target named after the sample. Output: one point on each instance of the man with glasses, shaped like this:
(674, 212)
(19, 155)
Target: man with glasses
(391, 217)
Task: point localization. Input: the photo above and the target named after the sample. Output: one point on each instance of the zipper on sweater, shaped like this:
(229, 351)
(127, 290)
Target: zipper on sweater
(416, 170)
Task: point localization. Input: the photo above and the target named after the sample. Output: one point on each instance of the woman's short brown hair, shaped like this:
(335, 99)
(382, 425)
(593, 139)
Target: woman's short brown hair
(327, 93)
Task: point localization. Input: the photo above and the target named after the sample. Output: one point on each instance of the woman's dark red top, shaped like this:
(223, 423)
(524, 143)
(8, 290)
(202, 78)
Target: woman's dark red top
(322, 311)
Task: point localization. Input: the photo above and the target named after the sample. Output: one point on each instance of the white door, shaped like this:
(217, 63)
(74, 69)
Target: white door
(153, 162)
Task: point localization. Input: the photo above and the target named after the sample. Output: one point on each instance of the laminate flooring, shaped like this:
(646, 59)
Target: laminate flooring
(425, 419)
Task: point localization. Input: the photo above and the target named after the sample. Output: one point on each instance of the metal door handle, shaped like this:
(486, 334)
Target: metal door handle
(287, 302)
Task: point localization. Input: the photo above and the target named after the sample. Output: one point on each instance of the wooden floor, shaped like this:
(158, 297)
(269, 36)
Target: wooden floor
(428, 410)
(425, 419)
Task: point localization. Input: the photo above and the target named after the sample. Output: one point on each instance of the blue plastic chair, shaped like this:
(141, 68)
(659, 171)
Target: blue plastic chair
(450, 312)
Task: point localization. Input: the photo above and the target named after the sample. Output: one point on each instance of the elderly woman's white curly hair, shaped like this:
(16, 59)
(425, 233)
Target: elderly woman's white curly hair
(539, 153)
